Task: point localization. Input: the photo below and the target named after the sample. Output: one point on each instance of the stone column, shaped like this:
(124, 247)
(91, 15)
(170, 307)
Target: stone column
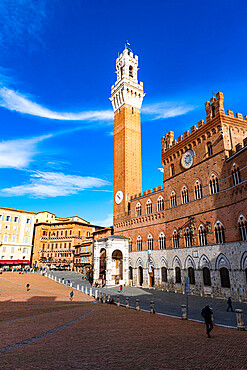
(240, 319)
(184, 312)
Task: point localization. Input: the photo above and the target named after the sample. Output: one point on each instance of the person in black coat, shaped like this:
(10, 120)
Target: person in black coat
(207, 315)
(229, 302)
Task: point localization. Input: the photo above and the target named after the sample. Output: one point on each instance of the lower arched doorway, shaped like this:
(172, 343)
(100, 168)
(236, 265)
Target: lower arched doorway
(140, 275)
(130, 275)
(102, 265)
(117, 258)
(151, 277)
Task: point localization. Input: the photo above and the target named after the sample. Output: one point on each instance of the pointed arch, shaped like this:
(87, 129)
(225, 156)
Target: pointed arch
(149, 207)
(163, 262)
(243, 261)
(139, 262)
(150, 262)
(189, 262)
(222, 261)
(138, 209)
(204, 262)
(176, 262)
(160, 204)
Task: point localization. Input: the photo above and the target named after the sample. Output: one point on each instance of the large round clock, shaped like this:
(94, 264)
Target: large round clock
(119, 196)
(188, 158)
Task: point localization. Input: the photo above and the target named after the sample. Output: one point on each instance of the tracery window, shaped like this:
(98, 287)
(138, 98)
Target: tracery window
(162, 241)
(160, 204)
(210, 149)
(139, 243)
(173, 200)
(242, 226)
(149, 207)
(188, 237)
(175, 239)
(198, 190)
(185, 195)
(214, 184)
(219, 233)
(138, 210)
(150, 242)
(191, 275)
(206, 276)
(236, 175)
(202, 235)
(178, 275)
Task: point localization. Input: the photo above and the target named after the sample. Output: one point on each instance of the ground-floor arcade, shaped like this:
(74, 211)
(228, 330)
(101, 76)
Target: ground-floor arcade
(216, 270)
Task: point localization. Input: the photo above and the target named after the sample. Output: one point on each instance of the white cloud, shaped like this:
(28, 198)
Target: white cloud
(15, 101)
(108, 221)
(52, 184)
(20, 152)
(166, 109)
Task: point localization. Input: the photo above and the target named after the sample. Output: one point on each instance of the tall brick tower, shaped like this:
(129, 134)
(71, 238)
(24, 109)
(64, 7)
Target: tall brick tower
(126, 97)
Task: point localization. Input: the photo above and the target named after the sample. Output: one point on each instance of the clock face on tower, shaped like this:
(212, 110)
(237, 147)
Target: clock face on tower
(188, 158)
(119, 196)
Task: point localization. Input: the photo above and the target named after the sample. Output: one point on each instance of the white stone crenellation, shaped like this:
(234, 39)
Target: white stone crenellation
(127, 90)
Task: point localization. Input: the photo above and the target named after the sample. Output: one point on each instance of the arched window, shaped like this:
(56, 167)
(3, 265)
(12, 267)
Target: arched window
(173, 200)
(219, 233)
(188, 238)
(224, 277)
(191, 274)
(210, 149)
(164, 274)
(175, 239)
(162, 241)
(172, 170)
(130, 245)
(213, 111)
(236, 175)
(242, 225)
(202, 235)
(178, 275)
(150, 242)
(160, 204)
(206, 276)
(214, 185)
(198, 190)
(66, 232)
(130, 71)
(149, 207)
(139, 243)
(185, 195)
(138, 209)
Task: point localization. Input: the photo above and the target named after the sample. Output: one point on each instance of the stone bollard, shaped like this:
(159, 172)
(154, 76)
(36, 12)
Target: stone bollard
(96, 294)
(100, 296)
(91, 292)
(70, 285)
(184, 312)
(240, 319)
(82, 289)
(127, 303)
(137, 305)
(78, 287)
(118, 301)
(59, 280)
(109, 297)
(86, 290)
(104, 298)
(152, 307)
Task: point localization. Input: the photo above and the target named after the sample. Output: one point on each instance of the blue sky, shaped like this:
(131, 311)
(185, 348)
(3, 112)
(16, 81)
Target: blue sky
(57, 66)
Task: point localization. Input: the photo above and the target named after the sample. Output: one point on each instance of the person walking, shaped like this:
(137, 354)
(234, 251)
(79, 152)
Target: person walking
(71, 295)
(120, 289)
(207, 315)
(229, 302)
(28, 287)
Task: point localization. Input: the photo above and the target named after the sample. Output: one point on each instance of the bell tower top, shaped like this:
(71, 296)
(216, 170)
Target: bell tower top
(127, 90)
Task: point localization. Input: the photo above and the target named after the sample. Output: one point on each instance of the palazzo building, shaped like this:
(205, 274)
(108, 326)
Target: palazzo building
(194, 224)
(16, 237)
(55, 239)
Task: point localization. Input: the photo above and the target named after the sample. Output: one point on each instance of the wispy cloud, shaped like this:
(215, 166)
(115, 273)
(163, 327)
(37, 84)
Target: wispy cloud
(19, 153)
(15, 101)
(108, 221)
(166, 109)
(52, 184)
(22, 22)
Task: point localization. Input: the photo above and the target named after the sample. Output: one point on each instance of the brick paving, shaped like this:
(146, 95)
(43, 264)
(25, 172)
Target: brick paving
(108, 337)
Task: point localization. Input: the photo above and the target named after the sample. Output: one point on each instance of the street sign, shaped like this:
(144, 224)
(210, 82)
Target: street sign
(187, 284)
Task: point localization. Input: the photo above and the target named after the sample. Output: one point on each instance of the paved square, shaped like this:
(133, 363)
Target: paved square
(43, 329)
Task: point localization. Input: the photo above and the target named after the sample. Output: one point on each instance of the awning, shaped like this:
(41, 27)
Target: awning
(14, 262)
